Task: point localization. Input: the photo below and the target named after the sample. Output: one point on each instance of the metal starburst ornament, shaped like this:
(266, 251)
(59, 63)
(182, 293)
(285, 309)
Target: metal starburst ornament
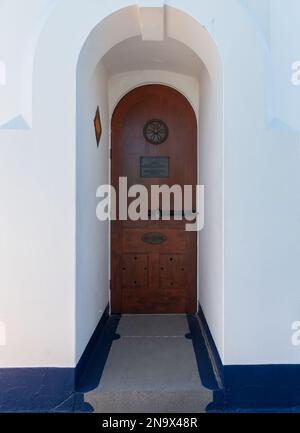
(156, 131)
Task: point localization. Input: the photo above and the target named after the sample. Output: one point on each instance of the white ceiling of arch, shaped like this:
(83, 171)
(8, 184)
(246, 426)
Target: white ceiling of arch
(134, 54)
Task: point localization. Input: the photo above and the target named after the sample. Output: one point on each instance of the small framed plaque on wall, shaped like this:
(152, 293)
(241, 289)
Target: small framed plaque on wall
(98, 126)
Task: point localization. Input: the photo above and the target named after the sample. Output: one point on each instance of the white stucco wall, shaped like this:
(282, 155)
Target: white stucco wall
(261, 179)
(20, 26)
(260, 10)
(35, 238)
(285, 52)
(121, 84)
(211, 238)
(92, 236)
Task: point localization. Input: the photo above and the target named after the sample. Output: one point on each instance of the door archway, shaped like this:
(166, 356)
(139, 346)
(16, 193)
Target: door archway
(98, 30)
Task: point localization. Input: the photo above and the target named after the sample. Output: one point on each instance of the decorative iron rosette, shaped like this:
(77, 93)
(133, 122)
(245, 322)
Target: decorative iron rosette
(156, 131)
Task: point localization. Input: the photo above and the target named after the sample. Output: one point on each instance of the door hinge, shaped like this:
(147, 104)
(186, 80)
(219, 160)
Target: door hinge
(110, 153)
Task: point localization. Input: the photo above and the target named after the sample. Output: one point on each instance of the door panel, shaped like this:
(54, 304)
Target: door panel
(135, 271)
(154, 262)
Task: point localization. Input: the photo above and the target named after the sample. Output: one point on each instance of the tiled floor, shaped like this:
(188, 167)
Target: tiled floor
(151, 368)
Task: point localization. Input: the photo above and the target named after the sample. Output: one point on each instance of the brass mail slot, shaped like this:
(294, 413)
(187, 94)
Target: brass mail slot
(154, 238)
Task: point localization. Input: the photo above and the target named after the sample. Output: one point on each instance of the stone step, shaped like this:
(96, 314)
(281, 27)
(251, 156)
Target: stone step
(150, 401)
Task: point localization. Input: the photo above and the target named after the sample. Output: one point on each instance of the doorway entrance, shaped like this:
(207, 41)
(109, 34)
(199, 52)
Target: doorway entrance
(154, 262)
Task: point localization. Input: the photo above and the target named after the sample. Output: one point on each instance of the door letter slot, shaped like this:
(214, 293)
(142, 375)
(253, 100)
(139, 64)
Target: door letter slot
(154, 238)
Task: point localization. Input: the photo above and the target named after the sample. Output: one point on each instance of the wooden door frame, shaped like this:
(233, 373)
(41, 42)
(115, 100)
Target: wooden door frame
(110, 158)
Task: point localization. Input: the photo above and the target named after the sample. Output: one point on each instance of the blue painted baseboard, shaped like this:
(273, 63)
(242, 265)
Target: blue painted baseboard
(35, 389)
(262, 386)
(58, 389)
(91, 365)
(253, 387)
(211, 344)
(85, 357)
(205, 369)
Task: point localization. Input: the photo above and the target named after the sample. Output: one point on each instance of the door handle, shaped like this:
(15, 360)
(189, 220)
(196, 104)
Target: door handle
(159, 213)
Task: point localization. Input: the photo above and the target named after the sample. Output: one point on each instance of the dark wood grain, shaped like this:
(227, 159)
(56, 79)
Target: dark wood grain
(149, 278)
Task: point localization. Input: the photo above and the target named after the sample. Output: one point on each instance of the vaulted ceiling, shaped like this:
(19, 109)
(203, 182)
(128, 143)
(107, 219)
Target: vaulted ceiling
(136, 54)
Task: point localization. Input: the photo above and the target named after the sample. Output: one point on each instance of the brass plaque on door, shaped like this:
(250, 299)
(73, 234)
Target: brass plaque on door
(154, 167)
(154, 238)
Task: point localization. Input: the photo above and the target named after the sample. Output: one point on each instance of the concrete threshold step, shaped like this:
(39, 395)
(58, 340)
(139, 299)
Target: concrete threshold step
(152, 368)
(150, 401)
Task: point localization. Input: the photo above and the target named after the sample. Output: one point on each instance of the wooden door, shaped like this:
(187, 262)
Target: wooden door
(154, 133)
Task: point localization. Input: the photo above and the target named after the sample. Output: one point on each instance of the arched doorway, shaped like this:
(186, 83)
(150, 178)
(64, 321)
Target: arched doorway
(104, 76)
(154, 261)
